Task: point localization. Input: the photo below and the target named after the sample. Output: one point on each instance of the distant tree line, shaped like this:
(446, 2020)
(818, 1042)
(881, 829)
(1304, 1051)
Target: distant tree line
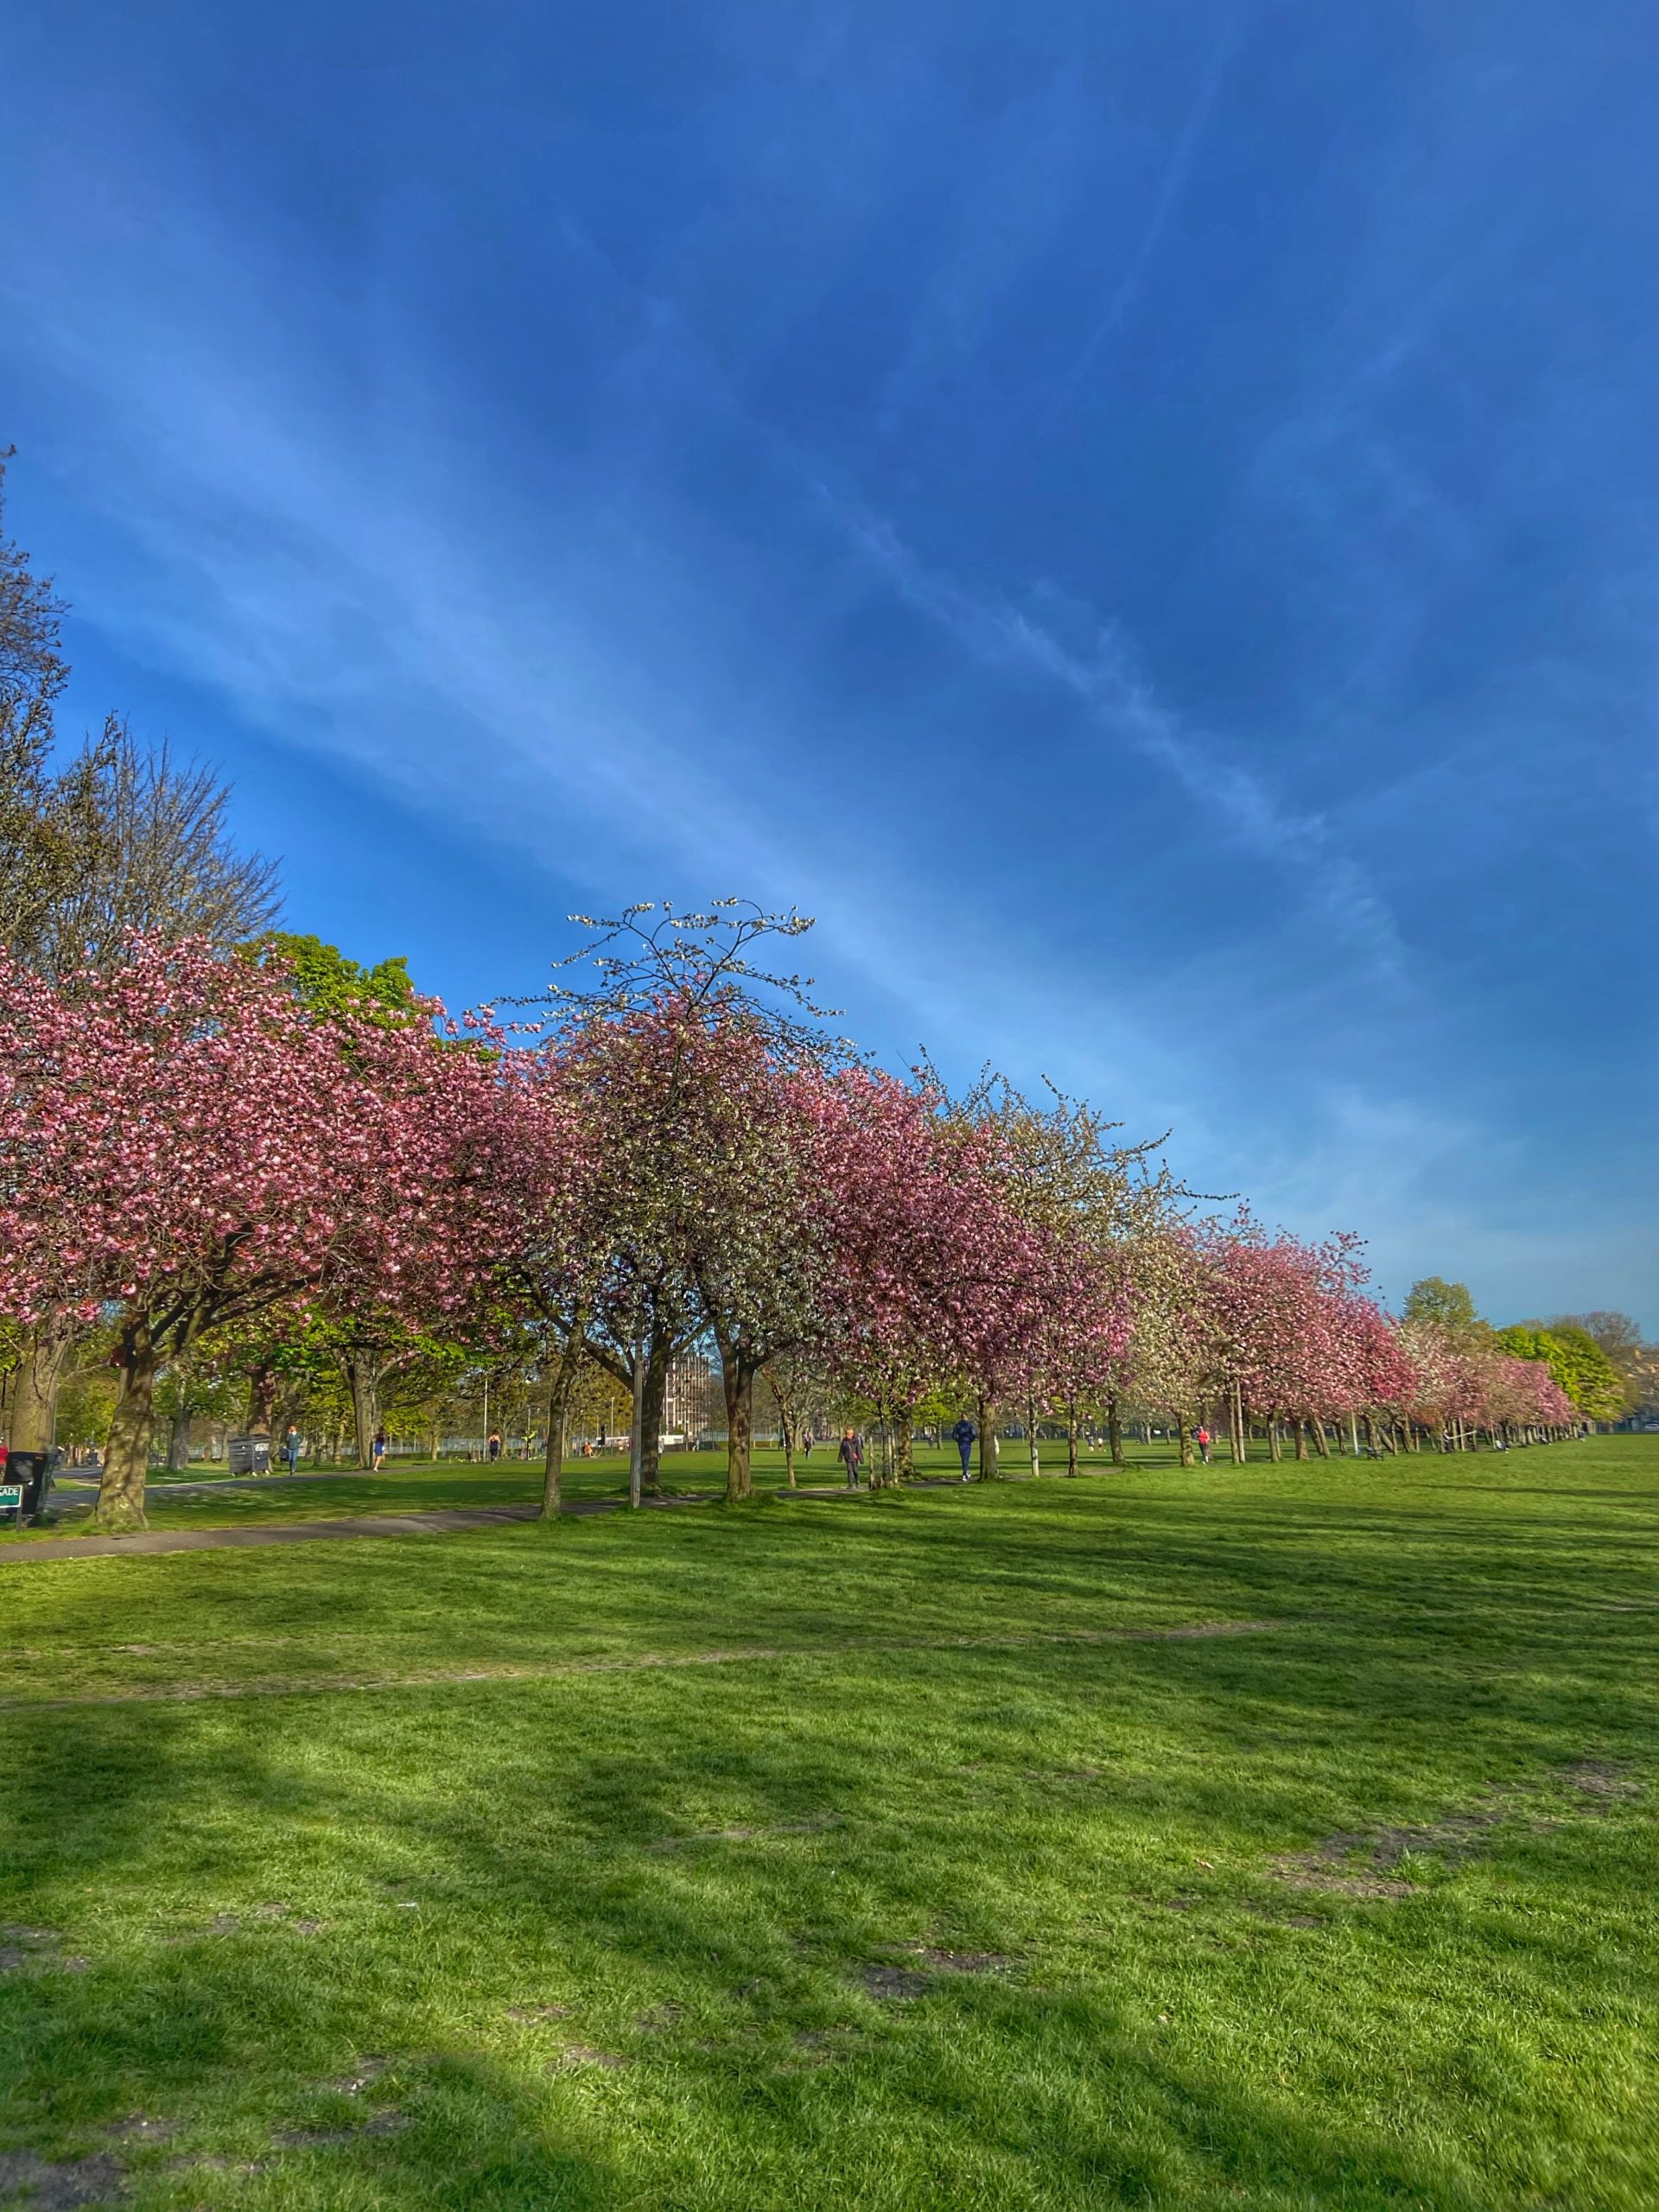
(243, 1178)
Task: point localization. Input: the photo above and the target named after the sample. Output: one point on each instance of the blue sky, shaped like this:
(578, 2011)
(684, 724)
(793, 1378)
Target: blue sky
(1144, 520)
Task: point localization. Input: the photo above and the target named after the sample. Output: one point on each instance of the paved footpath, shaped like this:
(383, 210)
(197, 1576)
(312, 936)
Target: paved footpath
(300, 1532)
(48, 1549)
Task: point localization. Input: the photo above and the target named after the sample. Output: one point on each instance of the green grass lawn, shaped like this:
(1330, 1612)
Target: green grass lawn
(877, 1853)
(410, 1486)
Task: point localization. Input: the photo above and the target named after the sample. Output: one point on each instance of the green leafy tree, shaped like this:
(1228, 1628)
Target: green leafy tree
(332, 984)
(1448, 1307)
(190, 1390)
(1577, 1364)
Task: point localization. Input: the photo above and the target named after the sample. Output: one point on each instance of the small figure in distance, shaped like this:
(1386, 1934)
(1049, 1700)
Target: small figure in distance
(963, 1436)
(806, 1445)
(1203, 1444)
(493, 1444)
(291, 1447)
(376, 1451)
(852, 1458)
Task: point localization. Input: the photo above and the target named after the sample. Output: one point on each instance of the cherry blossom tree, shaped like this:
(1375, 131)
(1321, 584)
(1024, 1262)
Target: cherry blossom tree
(922, 1246)
(183, 1146)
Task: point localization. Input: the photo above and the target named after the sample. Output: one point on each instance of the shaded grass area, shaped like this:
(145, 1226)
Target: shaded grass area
(206, 1498)
(1354, 1909)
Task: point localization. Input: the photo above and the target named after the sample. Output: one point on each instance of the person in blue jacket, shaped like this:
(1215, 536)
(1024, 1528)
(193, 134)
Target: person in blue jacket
(964, 1432)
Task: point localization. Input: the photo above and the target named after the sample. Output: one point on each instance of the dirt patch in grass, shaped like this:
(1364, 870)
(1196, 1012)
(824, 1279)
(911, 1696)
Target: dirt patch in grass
(366, 2072)
(815, 1824)
(328, 2138)
(448, 1677)
(140, 2128)
(816, 2047)
(940, 1961)
(537, 2015)
(891, 1984)
(580, 2054)
(36, 1950)
(41, 2185)
(1602, 1779)
(660, 2019)
(1366, 1863)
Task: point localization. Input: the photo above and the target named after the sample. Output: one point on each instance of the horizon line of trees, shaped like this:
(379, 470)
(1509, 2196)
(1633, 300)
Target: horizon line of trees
(248, 1175)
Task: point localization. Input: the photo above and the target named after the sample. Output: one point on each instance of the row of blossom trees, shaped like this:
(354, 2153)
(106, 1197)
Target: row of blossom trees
(198, 1149)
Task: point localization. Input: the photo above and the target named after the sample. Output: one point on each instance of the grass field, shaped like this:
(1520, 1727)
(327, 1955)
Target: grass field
(404, 1486)
(880, 1853)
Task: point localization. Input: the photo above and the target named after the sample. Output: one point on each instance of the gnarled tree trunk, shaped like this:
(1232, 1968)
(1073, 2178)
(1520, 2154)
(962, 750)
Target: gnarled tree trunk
(786, 1428)
(903, 1464)
(657, 1355)
(1114, 1431)
(558, 1415)
(737, 1385)
(360, 1379)
(126, 1453)
(990, 1457)
(35, 1385)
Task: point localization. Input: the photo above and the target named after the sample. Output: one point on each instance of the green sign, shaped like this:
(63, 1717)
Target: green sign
(10, 1494)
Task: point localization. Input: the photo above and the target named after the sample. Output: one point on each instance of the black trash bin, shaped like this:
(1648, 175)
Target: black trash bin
(32, 1471)
(249, 1455)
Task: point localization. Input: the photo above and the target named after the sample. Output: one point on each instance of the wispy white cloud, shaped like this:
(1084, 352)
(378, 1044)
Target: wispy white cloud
(1238, 804)
(1171, 186)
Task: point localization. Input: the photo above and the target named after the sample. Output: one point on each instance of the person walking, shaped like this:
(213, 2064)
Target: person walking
(1203, 1444)
(963, 1436)
(376, 1451)
(852, 1458)
(493, 1444)
(291, 1447)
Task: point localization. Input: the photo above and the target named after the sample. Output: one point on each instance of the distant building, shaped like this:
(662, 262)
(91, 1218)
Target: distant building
(692, 1394)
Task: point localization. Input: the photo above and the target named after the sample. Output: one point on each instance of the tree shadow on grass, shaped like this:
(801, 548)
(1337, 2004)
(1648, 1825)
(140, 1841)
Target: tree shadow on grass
(472, 1886)
(228, 2057)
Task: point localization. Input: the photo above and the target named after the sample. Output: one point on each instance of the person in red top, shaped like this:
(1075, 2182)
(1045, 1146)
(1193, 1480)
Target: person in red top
(1203, 1444)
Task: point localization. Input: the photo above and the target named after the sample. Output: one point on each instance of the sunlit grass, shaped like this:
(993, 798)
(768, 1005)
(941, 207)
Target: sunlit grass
(923, 1867)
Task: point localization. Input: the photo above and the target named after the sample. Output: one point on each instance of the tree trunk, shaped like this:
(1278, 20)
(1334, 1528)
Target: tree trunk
(553, 1464)
(1114, 1431)
(1184, 1441)
(658, 1353)
(558, 1415)
(1299, 1432)
(359, 1378)
(990, 1457)
(126, 1452)
(1031, 1433)
(1318, 1439)
(737, 1384)
(35, 1386)
(903, 1464)
(1275, 1447)
(1071, 1437)
(178, 1443)
(1236, 1435)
